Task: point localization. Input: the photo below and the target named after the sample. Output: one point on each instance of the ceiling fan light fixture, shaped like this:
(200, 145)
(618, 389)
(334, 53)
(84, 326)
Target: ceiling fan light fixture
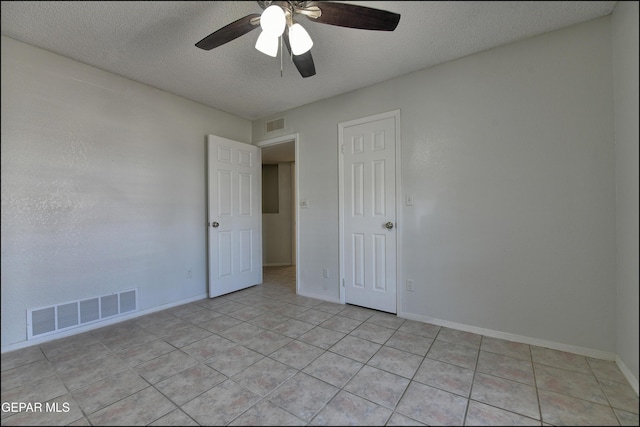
(267, 43)
(300, 39)
(278, 17)
(273, 20)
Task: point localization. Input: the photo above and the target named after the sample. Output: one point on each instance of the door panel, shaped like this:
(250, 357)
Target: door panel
(234, 215)
(368, 205)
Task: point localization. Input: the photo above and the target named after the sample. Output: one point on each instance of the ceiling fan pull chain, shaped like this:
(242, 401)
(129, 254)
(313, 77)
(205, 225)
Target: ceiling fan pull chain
(281, 55)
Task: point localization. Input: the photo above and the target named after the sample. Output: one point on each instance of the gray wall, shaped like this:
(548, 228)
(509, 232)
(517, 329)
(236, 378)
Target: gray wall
(509, 155)
(103, 186)
(625, 73)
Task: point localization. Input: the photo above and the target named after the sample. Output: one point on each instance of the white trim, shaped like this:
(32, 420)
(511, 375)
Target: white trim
(295, 137)
(319, 297)
(596, 354)
(395, 114)
(341, 279)
(278, 140)
(588, 352)
(633, 381)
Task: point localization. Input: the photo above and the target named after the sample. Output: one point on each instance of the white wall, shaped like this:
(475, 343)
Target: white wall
(625, 77)
(103, 186)
(509, 156)
(277, 227)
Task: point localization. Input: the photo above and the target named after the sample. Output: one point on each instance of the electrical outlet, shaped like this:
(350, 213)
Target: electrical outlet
(409, 284)
(325, 273)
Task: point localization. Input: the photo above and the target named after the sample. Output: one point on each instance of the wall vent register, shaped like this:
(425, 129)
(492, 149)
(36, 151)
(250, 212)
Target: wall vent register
(274, 125)
(56, 318)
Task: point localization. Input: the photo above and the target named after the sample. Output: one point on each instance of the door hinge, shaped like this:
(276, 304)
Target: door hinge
(343, 283)
(342, 148)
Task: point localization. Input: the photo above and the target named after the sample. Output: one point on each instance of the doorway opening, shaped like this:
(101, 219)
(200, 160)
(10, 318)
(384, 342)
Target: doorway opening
(279, 196)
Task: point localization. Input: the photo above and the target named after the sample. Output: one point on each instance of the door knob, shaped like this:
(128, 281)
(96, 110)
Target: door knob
(215, 224)
(389, 225)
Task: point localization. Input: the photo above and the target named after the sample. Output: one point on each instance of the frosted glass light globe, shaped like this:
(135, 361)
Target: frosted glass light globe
(273, 20)
(267, 43)
(300, 40)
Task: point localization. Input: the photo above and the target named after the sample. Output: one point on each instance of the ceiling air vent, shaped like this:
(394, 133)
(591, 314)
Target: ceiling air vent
(274, 125)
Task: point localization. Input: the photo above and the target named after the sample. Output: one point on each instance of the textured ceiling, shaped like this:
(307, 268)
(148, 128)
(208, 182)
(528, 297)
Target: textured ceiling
(153, 42)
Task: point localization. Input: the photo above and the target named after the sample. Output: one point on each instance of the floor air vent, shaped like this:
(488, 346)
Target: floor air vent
(49, 320)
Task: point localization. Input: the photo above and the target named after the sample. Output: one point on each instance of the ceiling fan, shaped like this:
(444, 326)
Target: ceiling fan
(278, 24)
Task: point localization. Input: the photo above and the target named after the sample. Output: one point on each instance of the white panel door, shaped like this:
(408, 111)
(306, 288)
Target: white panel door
(234, 215)
(368, 151)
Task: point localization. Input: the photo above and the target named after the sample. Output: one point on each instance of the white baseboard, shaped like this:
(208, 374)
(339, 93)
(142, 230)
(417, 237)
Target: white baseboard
(320, 297)
(633, 381)
(588, 352)
(596, 354)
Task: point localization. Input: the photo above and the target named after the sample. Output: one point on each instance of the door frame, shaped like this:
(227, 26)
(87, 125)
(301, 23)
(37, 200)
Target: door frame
(395, 114)
(295, 137)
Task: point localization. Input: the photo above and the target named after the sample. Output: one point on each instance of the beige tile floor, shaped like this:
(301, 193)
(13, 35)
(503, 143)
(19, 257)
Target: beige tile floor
(266, 356)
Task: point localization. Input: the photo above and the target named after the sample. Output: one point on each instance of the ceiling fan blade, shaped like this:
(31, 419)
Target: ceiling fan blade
(354, 16)
(304, 63)
(230, 32)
